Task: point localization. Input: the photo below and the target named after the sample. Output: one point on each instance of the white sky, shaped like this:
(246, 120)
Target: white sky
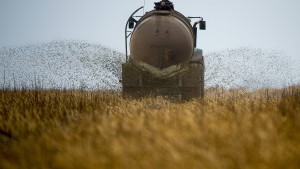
(268, 24)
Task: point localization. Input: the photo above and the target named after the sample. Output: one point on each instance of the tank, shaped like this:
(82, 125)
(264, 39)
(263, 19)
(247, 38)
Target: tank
(162, 39)
(164, 59)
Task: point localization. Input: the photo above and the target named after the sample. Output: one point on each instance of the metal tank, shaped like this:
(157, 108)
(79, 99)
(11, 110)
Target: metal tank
(162, 38)
(163, 56)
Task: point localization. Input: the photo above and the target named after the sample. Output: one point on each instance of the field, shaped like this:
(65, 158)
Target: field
(229, 128)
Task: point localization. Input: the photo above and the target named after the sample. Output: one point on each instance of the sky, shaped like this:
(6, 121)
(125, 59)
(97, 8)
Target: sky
(266, 24)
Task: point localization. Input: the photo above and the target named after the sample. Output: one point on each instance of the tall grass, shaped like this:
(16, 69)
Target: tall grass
(232, 128)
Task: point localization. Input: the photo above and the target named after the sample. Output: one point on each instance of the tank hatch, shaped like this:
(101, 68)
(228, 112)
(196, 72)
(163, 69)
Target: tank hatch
(164, 5)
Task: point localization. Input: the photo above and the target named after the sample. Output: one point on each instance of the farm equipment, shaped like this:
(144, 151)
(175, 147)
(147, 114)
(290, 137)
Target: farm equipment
(164, 59)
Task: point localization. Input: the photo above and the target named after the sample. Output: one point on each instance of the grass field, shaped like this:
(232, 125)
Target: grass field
(232, 128)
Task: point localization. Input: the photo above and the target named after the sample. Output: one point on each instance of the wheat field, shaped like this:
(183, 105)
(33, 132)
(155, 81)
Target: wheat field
(229, 128)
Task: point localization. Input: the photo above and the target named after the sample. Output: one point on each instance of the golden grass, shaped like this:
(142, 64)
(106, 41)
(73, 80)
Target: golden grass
(232, 128)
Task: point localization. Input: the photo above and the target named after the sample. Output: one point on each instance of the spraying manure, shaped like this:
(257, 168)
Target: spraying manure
(251, 68)
(81, 65)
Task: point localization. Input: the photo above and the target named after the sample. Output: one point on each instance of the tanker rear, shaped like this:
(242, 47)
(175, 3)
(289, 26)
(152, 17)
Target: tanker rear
(164, 60)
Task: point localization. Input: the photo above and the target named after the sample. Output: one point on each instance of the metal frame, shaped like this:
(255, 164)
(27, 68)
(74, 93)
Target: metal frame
(127, 35)
(195, 27)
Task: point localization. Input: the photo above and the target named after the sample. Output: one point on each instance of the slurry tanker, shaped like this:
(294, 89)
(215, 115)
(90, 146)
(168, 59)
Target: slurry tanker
(164, 59)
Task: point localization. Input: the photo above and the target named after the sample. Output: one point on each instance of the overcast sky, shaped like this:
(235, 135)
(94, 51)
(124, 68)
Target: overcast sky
(267, 24)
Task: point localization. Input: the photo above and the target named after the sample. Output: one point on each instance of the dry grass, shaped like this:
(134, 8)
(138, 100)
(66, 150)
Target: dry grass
(75, 129)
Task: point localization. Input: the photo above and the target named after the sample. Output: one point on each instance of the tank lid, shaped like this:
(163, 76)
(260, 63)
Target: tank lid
(164, 5)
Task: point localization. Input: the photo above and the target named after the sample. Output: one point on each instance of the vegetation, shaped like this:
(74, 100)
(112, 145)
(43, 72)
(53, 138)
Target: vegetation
(232, 128)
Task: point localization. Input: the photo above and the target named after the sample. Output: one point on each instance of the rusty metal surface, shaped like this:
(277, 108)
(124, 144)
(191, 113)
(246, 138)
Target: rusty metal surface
(162, 39)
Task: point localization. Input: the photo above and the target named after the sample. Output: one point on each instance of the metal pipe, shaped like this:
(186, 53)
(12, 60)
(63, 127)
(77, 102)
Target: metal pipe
(126, 30)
